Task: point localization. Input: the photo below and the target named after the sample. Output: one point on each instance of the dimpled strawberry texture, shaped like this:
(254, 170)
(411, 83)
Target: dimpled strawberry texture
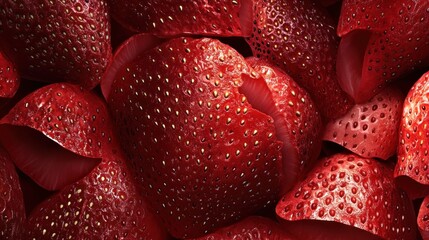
(9, 77)
(299, 36)
(169, 18)
(413, 149)
(353, 191)
(205, 157)
(54, 41)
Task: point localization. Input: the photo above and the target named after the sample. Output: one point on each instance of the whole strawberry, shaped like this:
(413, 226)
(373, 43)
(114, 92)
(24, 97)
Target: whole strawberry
(348, 197)
(55, 41)
(205, 156)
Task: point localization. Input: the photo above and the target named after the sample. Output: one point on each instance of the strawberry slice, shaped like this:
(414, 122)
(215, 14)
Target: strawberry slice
(205, 156)
(198, 17)
(382, 42)
(12, 211)
(423, 218)
(254, 227)
(412, 168)
(348, 197)
(299, 36)
(67, 122)
(9, 77)
(298, 122)
(54, 41)
(370, 129)
(105, 204)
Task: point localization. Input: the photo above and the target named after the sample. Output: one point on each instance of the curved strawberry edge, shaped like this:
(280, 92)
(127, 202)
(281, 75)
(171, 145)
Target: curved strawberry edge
(423, 218)
(126, 52)
(413, 188)
(350, 60)
(246, 17)
(54, 167)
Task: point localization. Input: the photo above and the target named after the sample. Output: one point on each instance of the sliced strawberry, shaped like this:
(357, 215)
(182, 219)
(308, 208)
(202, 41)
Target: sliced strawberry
(412, 167)
(12, 211)
(9, 77)
(345, 191)
(105, 204)
(382, 41)
(254, 227)
(64, 120)
(298, 122)
(205, 156)
(170, 18)
(55, 41)
(299, 36)
(370, 129)
(423, 218)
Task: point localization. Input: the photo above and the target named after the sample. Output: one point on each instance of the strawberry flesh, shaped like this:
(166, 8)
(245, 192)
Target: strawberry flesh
(67, 122)
(349, 190)
(298, 122)
(9, 77)
(412, 168)
(205, 156)
(12, 211)
(299, 36)
(172, 18)
(53, 41)
(370, 129)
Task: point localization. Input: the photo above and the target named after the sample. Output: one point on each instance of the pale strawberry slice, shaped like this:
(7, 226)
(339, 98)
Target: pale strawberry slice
(9, 77)
(198, 17)
(12, 211)
(299, 36)
(205, 156)
(55, 134)
(370, 129)
(254, 227)
(105, 204)
(54, 41)
(382, 41)
(423, 218)
(298, 122)
(348, 197)
(412, 167)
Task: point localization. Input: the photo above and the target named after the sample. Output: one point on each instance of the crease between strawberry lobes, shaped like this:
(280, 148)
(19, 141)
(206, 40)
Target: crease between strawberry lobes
(204, 156)
(68, 122)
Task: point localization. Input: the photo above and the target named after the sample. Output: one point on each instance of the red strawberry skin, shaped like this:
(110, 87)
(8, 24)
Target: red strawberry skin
(105, 204)
(205, 157)
(57, 41)
(68, 122)
(12, 211)
(198, 17)
(252, 228)
(354, 191)
(298, 122)
(370, 129)
(423, 218)
(412, 169)
(395, 33)
(299, 36)
(9, 77)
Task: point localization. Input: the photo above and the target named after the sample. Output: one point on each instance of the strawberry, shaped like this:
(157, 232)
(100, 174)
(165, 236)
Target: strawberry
(412, 168)
(170, 18)
(105, 204)
(12, 211)
(205, 156)
(9, 77)
(348, 197)
(382, 41)
(370, 129)
(299, 36)
(67, 122)
(253, 227)
(423, 218)
(55, 41)
(298, 122)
